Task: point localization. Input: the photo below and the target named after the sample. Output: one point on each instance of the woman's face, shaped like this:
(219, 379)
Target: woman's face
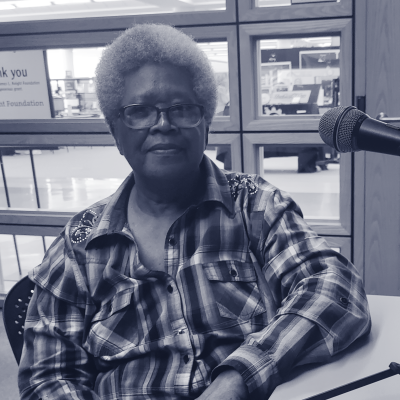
(163, 150)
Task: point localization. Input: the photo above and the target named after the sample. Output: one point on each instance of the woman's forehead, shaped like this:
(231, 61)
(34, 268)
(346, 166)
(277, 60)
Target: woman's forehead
(158, 82)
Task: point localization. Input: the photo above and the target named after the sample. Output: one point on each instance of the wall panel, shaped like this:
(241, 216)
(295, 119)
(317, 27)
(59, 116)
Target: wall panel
(381, 172)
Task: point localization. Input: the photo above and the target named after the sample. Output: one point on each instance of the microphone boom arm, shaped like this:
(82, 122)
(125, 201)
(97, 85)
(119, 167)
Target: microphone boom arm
(394, 369)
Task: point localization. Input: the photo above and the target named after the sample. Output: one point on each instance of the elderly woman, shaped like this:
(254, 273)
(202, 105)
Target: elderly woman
(188, 282)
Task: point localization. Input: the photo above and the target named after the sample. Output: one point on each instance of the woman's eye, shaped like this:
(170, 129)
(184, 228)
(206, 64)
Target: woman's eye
(139, 112)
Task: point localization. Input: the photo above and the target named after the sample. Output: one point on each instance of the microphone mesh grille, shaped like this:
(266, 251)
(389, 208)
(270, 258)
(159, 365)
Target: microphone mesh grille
(346, 129)
(327, 125)
(348, 119)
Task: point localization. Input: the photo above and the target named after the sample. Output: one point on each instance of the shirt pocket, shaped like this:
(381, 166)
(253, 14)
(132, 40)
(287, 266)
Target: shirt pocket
(235, 290)
(112, 329)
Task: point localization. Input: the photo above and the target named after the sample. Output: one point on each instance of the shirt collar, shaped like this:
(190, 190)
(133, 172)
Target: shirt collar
(113, 219)
(217, 186)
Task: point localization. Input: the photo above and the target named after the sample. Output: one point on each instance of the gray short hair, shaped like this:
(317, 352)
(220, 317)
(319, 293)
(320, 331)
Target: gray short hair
(155, 43)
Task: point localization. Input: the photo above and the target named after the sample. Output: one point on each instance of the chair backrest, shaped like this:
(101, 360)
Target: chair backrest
(14, 314)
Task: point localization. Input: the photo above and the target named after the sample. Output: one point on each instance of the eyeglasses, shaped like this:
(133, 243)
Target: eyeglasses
(138, 116)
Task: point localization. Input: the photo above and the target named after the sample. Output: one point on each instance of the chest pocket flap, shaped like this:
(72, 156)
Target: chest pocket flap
(235, 289)
(117, 303)
(113, 327)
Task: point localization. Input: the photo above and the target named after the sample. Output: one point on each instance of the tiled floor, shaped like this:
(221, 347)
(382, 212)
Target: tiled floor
(8, 367)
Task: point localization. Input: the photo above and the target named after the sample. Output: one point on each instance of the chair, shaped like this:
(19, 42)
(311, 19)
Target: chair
(14, 314)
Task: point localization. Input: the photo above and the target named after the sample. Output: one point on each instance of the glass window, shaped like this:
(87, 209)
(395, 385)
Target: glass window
(67, 178)
(220, 155)
(225, 151)
(48, 240)
(72, 72)
(30, 252)
(19, 178)
(18, 255)
(217, 53)
(311, 175)
(72, 178)
(273, 3)
(299, 76)
(9, 263)
(3, 194)
(30, 10)
(277, 3)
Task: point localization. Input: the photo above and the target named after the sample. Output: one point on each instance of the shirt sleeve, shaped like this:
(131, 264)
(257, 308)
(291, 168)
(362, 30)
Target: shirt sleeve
(53, 363)
(321, 303)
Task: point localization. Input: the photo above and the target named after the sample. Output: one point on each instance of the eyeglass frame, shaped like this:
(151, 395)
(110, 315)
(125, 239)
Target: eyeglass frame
(161, 110)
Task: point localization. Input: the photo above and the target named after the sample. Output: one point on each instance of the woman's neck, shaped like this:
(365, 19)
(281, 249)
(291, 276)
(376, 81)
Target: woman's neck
(165, 196)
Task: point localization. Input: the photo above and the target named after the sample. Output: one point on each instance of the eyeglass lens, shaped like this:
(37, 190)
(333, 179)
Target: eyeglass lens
(180, 115)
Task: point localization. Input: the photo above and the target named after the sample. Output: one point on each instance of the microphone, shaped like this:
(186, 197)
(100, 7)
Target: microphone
(349, 129)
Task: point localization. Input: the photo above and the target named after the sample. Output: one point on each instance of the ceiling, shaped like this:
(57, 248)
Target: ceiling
(30, 10)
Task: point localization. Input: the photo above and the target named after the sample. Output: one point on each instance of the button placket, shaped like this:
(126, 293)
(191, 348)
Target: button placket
(182, 340)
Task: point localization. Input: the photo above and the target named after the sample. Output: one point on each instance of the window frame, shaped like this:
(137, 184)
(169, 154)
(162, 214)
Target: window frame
(92, 39)
(293, 130)
(239, 130)
(252, 143)
(251, 34)
(44, 222)
(30, 134)
(248, 12)
(83, 25)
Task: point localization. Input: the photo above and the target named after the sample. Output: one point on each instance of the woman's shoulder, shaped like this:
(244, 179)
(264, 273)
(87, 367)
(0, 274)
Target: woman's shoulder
(254, 194)
(81, 224)
(89, 214)
(60, 272)
(251, 186)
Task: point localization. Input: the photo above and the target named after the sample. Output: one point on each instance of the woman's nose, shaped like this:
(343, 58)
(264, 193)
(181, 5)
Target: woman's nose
(163, 124)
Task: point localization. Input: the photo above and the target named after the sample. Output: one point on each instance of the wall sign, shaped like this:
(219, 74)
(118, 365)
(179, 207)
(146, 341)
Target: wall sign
(23, 85)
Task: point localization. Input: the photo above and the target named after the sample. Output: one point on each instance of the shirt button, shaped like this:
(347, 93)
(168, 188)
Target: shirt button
(185, 358)
(344, 301)
(172, 241)
(233, 273)
(170, 288)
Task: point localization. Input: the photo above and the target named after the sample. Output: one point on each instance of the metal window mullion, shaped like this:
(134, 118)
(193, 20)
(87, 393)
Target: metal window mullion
(34, 178)
(4, 180)
(17, 254)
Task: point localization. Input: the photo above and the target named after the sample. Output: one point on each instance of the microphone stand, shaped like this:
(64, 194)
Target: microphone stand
(394, 369)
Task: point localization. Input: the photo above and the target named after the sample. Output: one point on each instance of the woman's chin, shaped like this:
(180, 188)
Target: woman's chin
(171, 172)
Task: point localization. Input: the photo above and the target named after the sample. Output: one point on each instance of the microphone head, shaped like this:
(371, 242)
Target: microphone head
(337, 127)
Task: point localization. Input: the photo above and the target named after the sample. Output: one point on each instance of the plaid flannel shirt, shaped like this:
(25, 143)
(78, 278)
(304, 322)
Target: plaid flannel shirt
(102, 326)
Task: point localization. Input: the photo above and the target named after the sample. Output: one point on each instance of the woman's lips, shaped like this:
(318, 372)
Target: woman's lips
(165, 148)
